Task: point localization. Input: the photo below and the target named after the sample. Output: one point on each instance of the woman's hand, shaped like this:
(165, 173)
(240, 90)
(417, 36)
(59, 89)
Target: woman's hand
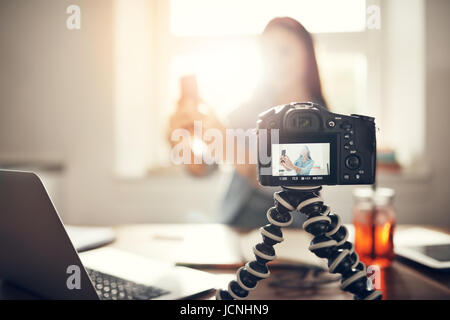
(282, 162)
(287, 163)
(186, 113)
(183, 118)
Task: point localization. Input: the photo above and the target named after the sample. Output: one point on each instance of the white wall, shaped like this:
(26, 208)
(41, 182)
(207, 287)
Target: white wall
(409, 75)
(438, 110)
(403, 77)
(56, 104)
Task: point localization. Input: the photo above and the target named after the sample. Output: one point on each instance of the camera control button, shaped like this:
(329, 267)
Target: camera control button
(357, 177)
(352, 162)
(331, 123)
(346, 126)
(351, 142)
(347, 136)
(346, 177)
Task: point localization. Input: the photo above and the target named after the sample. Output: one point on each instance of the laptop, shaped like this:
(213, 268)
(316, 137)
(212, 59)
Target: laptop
(36, 254)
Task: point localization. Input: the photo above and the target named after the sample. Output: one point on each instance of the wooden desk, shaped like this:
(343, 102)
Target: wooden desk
(402, 280)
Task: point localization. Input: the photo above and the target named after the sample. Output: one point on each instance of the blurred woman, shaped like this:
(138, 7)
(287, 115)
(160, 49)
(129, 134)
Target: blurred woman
(290, 74)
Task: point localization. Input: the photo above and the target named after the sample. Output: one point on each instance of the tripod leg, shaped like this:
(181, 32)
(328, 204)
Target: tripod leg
(247, 277)
(330, 242)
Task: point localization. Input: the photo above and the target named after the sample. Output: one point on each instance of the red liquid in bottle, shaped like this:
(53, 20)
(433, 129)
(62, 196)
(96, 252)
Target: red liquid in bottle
(374, 232)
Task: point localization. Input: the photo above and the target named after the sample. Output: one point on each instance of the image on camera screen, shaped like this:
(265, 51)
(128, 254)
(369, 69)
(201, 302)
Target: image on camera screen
(301, 159)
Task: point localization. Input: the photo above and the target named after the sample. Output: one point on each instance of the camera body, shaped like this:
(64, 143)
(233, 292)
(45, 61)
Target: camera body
(315, 147)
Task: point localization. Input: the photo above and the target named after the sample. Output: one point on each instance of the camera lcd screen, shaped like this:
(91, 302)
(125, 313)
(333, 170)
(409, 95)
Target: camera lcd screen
(301, 159)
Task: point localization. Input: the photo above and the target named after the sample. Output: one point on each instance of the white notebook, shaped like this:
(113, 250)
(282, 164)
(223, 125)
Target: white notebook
(86, 238)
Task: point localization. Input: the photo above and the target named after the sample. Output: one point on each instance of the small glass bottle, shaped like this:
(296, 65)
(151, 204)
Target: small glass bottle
(374, 221)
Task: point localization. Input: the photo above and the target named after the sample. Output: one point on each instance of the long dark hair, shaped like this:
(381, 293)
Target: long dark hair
(304, 36)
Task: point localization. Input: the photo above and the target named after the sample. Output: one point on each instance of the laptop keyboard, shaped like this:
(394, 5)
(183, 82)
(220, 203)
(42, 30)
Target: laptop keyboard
(109, 287)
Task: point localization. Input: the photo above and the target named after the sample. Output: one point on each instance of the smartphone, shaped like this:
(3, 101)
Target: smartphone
(189, 87)
(436, 256)
(283, 154)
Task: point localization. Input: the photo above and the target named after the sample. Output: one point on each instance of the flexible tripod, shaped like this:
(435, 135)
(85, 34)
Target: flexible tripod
(330, 242)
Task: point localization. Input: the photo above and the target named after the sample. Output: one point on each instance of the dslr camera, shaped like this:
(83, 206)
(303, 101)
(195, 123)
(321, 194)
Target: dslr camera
(315, 147)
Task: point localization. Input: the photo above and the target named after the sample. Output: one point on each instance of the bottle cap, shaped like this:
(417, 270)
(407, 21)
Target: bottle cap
(380, 197)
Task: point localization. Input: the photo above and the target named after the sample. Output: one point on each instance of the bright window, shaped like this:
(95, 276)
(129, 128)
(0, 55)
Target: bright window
(218, 41)
(158, 41)
(237, 17)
